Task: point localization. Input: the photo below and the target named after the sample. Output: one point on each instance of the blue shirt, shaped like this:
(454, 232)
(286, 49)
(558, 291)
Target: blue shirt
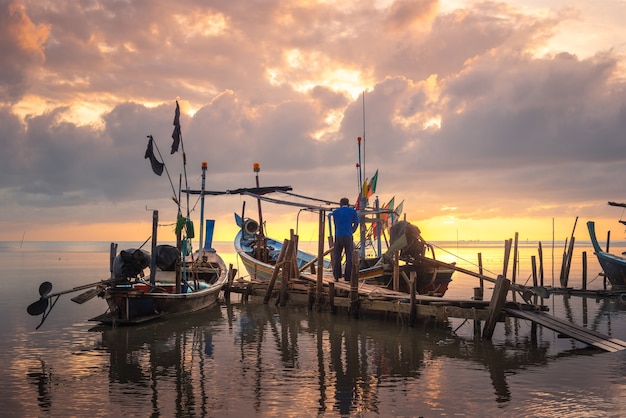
(346, 221)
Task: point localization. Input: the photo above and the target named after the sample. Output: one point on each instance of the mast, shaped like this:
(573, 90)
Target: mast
(201, 244)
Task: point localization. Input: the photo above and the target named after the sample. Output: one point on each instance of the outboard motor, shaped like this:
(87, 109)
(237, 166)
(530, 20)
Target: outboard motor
(415, 247)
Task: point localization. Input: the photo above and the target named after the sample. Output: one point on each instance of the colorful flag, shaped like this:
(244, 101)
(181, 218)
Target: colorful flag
(398, 211)
(371, 189)
(157, 166)
(176, 134)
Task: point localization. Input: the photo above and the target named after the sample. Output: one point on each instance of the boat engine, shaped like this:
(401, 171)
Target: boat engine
(415, 246)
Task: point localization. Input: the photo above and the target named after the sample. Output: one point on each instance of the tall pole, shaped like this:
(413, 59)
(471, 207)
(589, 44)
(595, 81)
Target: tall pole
(201, 244)
(257, 168)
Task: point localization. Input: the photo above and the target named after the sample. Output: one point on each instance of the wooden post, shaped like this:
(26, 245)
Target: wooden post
(287, 272)
(568, 264)
(563, 262)
(480, 270)
(112, 255)
(277, 267)
(515, 261)
(498, 300)
(354, 285)
(540, 251)
(331, 297)
(396, 270)
(480, 291)
(584, 270)
(413, 307)
(533, 262)
(320, 258)
(507, 255)
(311, 295)
(231, 276)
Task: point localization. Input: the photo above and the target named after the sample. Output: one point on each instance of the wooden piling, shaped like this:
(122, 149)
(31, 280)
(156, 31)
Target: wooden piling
(413, 306)
(231, 276)
(540, 253)
(515, 261)
(277, 267)
(287, 270)
(396, 270)
(331, 297)
(507, 255)
(584, 270)
(533, 263)
(480, 270)
(320, 257)
(498, 300)
(354, 285)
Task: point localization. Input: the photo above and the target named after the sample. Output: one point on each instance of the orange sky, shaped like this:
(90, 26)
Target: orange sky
(486, 118)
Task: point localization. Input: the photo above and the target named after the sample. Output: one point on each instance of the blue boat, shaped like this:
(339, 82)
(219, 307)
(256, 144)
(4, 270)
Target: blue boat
(613, 265)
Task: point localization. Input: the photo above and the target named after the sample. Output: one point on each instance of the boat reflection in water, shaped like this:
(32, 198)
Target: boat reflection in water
(247, 359)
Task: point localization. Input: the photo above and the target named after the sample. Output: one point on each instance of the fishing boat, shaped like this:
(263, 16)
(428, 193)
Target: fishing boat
(614, 266)
(179, 280)
(260, 253)
(172, 289)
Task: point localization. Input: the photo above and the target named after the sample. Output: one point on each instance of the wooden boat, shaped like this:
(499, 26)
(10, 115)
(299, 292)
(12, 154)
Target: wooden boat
(179, 281)
(132, 300)
(614, 266)
(260, 253)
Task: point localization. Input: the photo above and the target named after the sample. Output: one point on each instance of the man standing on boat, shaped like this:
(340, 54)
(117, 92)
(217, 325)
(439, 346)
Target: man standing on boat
(346, 222)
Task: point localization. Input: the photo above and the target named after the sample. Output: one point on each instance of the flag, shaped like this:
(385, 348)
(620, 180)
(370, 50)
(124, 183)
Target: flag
(157, 166)
(371, 189)
(176, 133)
(399, 210)
(388, 220)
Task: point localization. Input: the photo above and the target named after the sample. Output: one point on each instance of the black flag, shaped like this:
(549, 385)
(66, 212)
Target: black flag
(176, 133)
(157, 166)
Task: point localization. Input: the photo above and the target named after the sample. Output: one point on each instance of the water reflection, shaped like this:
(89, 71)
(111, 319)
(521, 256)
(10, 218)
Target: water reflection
(243, 359)
(164, 362)
(41, 378)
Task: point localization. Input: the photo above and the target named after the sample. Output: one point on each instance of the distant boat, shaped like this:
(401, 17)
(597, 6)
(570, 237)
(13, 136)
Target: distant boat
(614, 266)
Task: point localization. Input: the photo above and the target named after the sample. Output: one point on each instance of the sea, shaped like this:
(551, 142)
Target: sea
(244, 359)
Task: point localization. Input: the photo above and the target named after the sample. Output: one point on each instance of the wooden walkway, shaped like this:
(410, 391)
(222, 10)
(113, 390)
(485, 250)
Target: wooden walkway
(570, 329)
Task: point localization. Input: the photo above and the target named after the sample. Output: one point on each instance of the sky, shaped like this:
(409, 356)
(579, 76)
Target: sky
(486, 118)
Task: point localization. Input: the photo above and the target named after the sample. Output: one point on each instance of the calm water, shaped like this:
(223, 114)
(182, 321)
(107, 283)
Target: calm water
(260, 360)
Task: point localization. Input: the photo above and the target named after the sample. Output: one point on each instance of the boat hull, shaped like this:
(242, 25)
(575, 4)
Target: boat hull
(429, 279)
(138, 302)
(614, 267)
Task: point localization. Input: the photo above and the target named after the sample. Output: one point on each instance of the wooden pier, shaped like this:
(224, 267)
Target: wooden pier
(362, 298)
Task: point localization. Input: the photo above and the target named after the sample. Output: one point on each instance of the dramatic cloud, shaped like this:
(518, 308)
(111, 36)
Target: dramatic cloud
(469, 112)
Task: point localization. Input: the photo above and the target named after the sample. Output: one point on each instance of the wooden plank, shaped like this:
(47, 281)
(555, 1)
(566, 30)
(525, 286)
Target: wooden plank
(498, 300)
(575, 331)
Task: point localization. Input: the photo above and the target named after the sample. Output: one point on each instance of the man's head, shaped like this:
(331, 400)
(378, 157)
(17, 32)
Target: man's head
(344, 201)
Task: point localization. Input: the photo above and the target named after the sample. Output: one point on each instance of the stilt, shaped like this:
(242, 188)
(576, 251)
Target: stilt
(495, 306)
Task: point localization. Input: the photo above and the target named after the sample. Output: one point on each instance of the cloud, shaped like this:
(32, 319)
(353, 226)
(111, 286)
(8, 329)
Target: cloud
(471, 108)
